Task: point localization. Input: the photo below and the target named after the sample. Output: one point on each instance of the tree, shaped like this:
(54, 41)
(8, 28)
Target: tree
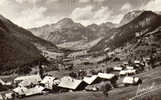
(24, 70)
(106, 88)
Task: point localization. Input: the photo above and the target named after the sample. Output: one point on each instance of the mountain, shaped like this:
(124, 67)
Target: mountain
(146, 22)
(16, 52)
(63, 31)
(109, 25)
(66, 30)
(130, 16)
(26, 35)
(100, 30)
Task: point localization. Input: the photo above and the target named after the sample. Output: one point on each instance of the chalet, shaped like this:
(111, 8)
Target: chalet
(28, 80)
(23, 91)
(71, 83)
(131, 81)
(48, 82)
(92, 80)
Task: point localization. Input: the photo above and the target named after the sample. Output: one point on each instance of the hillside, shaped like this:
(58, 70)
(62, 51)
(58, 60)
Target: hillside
(131, 32)
(16, 52)
(26, 35)
(101, 30)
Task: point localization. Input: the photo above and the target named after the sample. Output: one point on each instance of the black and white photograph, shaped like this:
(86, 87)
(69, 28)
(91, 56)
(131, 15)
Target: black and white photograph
(80, 49)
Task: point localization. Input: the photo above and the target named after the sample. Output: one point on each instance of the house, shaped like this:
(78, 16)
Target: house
(112, 78)
(9, 96)
(106, 49)
(20, 90)
(28, 80)
(1, 97)
(118, 68)
(137, 62)
(127, 72)
(34, 91)
(91, 80)
(111, 54)
(48, 82)
(72, 84)
(2, 82)
(131, 81)
(91, 88)
(129, 67)
(106, 76)
(23, 91)
(125, 63)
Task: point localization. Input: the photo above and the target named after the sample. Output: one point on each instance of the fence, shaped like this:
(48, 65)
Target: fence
(148, 94)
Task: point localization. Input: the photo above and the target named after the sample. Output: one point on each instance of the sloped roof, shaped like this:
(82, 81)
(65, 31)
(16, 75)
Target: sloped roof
(48, 81)
(32, 91)
(90, 80)
(27, 80)
(125, 62)
(2, 82)
(130, 67)
(28, 92)
(130, 80)
(70, 83)
(136, 61)
(1, 97)
(105, 75)
(117, 68)
(123, 72)
(20, 90)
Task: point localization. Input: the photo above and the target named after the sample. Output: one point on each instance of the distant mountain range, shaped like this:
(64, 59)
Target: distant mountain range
(66, 30)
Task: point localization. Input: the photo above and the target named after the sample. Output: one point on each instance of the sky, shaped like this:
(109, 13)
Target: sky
(35, 13)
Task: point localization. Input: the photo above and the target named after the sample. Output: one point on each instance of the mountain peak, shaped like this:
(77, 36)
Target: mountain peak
(65, 21)
(147, 13)
(92, 25)
(130, 16)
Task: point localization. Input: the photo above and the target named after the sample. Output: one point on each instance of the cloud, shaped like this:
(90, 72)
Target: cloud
(8, 8)
(98, 0)
(84, 1)
(31, 13)
(27, 1)
(34, 17)
(51, 1)
(126, 7)
(154, 5)
(82, 13)
(25, 14)
(88, 1)
(88, 15)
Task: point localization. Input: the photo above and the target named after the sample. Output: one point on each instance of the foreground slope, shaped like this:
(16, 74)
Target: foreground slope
(26, 35)
(16, 52)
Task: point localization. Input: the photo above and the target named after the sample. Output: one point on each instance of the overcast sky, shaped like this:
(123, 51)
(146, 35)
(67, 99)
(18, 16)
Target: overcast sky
(34, 13)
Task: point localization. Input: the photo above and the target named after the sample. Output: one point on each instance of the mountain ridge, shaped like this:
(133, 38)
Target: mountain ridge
(144, 23)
